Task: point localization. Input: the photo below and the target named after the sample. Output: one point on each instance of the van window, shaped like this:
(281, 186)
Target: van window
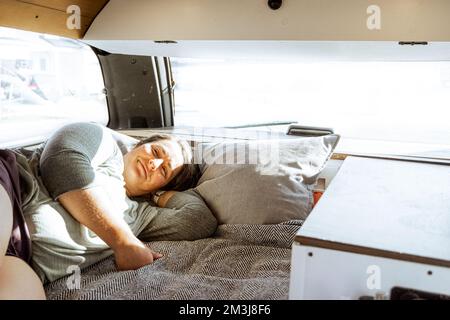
(402, 106)
(46, 82)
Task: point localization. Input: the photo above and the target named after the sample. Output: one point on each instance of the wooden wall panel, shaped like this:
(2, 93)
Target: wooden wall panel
(89, 8)
(48, 16)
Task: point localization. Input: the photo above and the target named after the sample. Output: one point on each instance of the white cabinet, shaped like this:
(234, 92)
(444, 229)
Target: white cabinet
(381, 224)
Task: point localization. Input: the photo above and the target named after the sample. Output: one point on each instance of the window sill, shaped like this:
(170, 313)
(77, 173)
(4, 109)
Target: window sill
(410, 151)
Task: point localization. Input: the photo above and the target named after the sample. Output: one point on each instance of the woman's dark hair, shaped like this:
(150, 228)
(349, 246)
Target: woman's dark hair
(190, 173)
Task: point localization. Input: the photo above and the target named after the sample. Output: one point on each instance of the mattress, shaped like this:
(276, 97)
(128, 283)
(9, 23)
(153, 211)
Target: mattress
(249, 262)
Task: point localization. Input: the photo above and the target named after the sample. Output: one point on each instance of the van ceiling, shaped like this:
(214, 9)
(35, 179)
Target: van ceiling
(300, 30)
(253, 20)
(48, 16)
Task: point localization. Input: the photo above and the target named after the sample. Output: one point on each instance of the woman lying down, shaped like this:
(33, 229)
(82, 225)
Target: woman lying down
(83, 196)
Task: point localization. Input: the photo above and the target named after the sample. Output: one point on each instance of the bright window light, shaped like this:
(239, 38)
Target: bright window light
(46, 82)
(382, 102)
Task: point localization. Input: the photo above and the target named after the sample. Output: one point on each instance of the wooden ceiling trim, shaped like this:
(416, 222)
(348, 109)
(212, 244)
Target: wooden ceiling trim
(89, 8)
(48, 16)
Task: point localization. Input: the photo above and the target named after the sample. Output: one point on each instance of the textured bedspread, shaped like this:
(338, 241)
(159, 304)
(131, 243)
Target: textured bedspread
(239, 262)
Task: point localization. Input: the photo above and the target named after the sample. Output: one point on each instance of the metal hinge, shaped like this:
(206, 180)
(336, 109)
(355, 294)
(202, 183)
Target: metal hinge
(413, 43)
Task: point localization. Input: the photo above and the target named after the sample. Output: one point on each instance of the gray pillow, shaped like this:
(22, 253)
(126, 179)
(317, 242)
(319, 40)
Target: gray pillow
(262, 182)
(125, 143)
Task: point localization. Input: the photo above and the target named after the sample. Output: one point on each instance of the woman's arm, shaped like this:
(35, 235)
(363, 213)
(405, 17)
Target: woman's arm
(181, 216)
(92, 208)
(68, 169)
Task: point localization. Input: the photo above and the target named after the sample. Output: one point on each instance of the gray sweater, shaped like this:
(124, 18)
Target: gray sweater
(81, 156)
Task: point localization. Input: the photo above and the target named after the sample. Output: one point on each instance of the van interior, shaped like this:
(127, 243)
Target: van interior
(362, 85)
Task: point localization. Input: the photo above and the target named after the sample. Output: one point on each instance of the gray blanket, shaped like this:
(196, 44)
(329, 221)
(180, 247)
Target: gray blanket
(240, 262)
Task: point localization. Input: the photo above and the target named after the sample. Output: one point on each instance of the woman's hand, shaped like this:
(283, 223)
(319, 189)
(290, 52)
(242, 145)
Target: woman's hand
(162, 200)
(134, 255)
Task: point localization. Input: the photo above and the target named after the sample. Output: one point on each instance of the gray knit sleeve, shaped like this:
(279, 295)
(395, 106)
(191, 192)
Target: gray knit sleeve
(185, 217)
(66, 161)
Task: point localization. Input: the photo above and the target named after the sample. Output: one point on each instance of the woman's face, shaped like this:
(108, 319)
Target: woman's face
(151, 166)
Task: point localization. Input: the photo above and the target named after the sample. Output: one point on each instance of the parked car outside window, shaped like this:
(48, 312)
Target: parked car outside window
(46, 82)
